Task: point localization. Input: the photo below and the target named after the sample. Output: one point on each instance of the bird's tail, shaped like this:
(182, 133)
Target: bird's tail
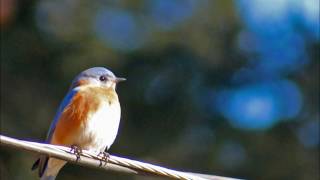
(44, 177)
(48, 167)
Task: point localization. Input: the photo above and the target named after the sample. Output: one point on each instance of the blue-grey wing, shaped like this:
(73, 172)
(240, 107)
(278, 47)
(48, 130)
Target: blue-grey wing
(65, 102)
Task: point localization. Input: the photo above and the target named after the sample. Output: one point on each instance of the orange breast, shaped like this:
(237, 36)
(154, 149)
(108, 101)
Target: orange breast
(74, 116)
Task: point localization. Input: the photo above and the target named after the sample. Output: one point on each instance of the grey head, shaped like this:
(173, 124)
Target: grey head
(97, 76)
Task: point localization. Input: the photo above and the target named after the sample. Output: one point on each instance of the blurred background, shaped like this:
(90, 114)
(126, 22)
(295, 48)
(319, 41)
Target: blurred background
(229, 88)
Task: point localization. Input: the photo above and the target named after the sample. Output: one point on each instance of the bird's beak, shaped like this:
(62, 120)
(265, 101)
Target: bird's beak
(119, 79)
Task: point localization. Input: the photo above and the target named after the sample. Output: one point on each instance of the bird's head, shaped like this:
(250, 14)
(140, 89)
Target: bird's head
(97, 76)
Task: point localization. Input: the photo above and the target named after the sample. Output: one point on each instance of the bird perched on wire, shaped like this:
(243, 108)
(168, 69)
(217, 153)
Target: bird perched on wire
(88, 118)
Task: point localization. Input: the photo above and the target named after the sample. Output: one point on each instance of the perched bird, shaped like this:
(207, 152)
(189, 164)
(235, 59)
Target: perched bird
(88, 118)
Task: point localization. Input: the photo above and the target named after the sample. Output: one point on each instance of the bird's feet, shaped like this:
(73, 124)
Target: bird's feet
(76, 151)
(104, 157)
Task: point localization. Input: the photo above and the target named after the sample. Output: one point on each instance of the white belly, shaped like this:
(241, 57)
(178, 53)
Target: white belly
(102, 127)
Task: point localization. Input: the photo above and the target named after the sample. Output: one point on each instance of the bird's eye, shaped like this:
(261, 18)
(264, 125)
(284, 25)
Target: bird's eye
(102, 78)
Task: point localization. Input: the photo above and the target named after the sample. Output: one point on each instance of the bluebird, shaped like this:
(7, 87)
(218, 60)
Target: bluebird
(87, 118)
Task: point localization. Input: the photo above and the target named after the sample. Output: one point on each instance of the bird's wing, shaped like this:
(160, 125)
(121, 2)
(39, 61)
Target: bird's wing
(65, 102)
(42, 162)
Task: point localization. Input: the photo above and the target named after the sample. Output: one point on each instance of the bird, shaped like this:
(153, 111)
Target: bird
(87, 119)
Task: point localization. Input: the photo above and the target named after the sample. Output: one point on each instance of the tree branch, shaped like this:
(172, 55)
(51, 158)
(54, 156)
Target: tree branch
(116, 164)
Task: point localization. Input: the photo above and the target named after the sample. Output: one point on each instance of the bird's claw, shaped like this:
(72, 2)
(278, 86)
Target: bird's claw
(104, 157)
(76, 151)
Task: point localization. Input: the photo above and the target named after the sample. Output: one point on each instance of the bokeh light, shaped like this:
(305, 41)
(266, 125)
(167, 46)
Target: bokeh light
(7, 13)
(309, 16)
(168, 14)
(119, 29)
(59, 19)
(260, 105)
(271, 40)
